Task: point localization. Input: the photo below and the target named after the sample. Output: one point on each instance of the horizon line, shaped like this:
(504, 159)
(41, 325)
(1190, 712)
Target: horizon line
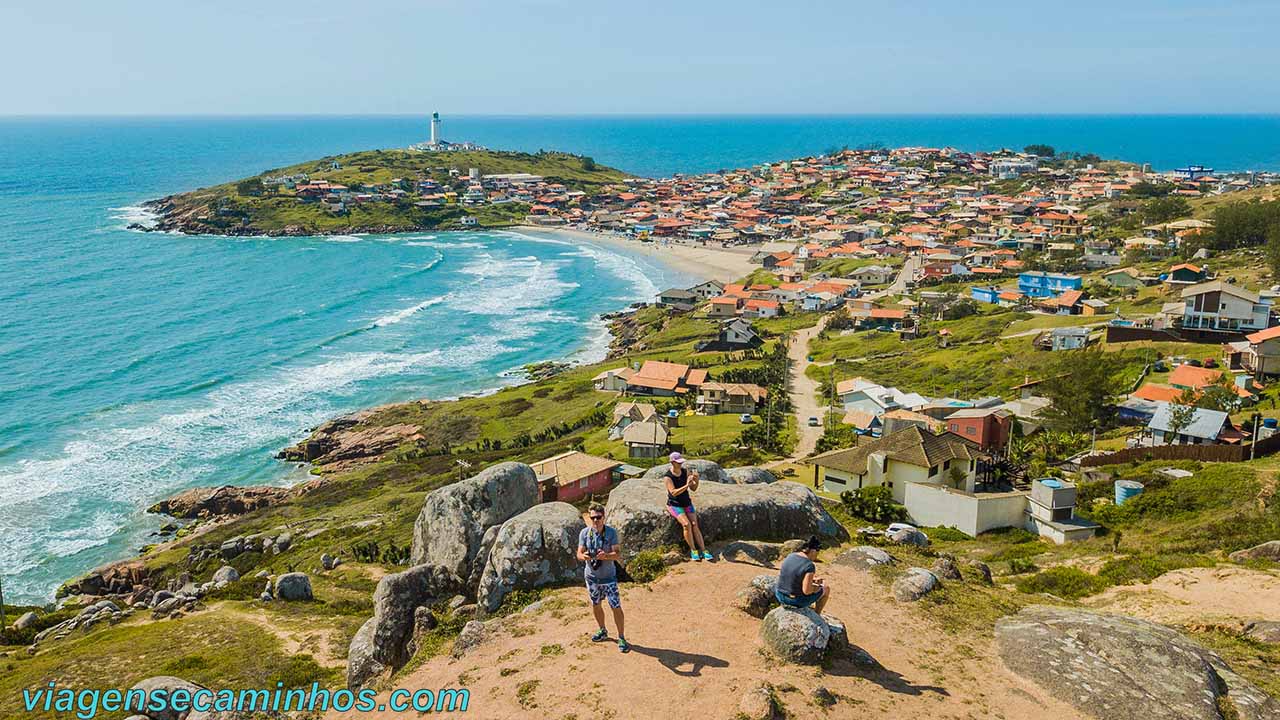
(167, 115)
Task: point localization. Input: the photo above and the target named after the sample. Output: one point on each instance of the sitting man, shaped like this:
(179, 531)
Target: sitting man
(797, 586)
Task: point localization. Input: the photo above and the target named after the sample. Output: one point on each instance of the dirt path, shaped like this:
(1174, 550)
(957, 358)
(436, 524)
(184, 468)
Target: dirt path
(804, 392)
(1223, 595)
(694, 656)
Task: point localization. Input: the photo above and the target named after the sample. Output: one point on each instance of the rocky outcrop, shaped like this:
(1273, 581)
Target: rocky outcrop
(777, 511)
(225, 574)
(707, 471)
(383, 642)
(531, 550)
(454, 518)
(228, 500)
(750, 475)
(757, 597)
(168, 684)
(795, 635)
(863, 557)
(946, 569)
(293, 586)
(24, 621)
(118, 578)
(914, 584)
(351, 440)
(1116, 668)
(1265, 551)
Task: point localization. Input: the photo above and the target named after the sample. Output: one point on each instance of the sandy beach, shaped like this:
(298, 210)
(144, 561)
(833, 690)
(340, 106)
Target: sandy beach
(710, 263)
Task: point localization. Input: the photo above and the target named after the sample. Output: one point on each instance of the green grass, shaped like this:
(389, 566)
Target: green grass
(1065, 582)
(205, 648)
(1045, 322)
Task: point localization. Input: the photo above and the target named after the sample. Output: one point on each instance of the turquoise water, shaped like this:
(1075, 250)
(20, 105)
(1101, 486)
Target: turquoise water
(134, 365)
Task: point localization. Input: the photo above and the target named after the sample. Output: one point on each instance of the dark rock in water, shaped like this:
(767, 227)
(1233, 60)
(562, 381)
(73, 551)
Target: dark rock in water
(1114, 667)
(531, 550)
(451, 526)
(777, 511)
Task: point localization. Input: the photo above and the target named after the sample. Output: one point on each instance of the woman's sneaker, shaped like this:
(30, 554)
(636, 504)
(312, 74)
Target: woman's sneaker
(600, 636)
(707, 556)
(693, 555)
(623, 645)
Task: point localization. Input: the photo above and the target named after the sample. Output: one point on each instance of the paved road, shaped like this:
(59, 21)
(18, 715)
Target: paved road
(804, 392)
(899, 284)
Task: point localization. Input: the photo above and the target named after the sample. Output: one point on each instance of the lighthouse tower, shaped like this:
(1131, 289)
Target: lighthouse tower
(435, 128)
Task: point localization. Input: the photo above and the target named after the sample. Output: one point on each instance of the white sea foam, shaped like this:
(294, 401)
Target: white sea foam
(134, 215)
(341, 238)
(621, 266)
(406, 313)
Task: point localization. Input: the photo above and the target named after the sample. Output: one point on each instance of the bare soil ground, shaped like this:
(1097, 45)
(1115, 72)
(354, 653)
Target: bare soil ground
(694, 655)
(1226, 595)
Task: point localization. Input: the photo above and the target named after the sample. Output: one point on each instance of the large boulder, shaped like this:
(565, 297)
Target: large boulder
(25, 621)
(756, 598)
(294, 586)
(454, 518)
(168, 684)
(914, 584)
(750, 475)
(1265, 551)
(531, 550)
(777, 511)
(760, 553)
(383, 642)
(1116, 668)
(863, 557)
(707, 471)
(225, 574)
(909, 536)
(797, 635)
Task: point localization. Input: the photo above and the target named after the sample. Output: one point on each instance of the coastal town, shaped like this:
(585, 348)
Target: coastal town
(984, 383)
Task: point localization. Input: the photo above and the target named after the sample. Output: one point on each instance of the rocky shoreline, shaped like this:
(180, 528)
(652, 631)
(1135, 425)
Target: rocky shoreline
(170, 217)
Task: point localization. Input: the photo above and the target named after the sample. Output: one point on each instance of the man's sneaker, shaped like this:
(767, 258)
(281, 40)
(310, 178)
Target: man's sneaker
(600, 636)
(693, 555)
(623, 645)
(707, 556)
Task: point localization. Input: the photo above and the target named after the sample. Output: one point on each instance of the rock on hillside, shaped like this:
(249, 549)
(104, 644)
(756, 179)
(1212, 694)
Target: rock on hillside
(454, 518)
(1265, 551)
(777, 511)
(382, 643)
(750, 475)
(1118, 668)
(533, 549)
(228, 500)
(349, 440)
(707, 471)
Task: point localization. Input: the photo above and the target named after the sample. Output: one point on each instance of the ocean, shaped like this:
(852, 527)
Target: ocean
(135, 365)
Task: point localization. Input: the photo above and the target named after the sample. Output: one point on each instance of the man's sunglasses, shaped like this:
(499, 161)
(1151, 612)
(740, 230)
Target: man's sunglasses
(597, 517)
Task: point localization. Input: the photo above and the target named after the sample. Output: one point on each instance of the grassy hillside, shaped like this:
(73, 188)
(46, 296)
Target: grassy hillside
(227, 209)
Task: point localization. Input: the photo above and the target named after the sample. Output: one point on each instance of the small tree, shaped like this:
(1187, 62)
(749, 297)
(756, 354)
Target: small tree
(1040, 150)
(1273, 250)
(1180, 417)
(249, 188)
(589, 164)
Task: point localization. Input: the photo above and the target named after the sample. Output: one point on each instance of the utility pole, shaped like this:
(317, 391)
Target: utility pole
(1253, 442)
(2, 620)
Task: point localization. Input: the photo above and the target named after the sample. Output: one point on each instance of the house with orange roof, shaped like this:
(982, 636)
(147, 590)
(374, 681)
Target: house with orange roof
(1258, 354)
(756, 308)
(656, 377)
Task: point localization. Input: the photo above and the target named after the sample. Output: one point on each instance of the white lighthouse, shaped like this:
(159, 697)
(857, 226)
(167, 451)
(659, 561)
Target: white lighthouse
(435, 128)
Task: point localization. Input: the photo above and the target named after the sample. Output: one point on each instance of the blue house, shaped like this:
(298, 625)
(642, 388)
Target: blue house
(985, 294)
(1039, 284)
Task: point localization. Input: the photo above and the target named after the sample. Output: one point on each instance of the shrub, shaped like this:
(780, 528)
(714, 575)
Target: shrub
(1064, 582)
(1145, 568)
(873, 503)
(646, 566)
(1022, 566)
(299, 671)
(945, 534)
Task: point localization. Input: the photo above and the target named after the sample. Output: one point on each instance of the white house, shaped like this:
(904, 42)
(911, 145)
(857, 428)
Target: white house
(1221, 306)
(863, 395)
(821, 301)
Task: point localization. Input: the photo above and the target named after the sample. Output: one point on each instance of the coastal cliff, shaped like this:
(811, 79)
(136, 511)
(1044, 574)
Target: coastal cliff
(382, 191)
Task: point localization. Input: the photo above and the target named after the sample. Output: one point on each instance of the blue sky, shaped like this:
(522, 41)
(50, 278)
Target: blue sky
(691, 56)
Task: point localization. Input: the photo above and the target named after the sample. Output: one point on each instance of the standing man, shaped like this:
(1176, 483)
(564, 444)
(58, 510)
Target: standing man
(598, 548)
(679, 483)
(798, 586)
